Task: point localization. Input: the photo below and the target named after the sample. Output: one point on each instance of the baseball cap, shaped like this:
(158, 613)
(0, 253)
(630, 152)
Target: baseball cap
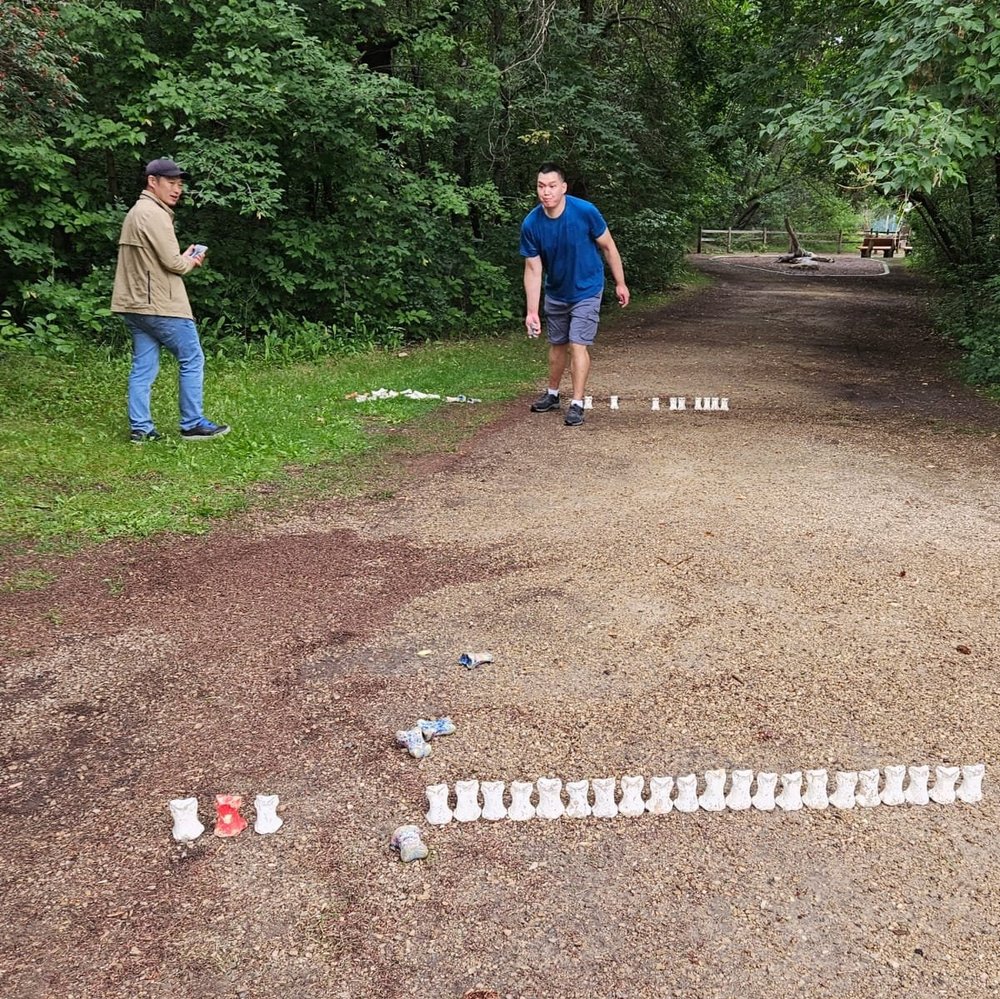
(165, 168)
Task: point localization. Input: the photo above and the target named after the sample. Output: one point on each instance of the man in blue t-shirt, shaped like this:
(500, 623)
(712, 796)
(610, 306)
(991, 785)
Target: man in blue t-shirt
(565, 237)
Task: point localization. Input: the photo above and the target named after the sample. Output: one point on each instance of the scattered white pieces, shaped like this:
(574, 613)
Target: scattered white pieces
(187, 826)
(550, 805)
(713, 799)
(687, 793)
(467, 801)
(406, 839)
(413, 741)
(632, 804)
(763, 798)
(588, 402)
(971, 789)
(267, 821)
(439, 814)
(815, 796)
(521, 809)
(655, 404)
(892, 793)
(604, 798)
(614, 402)
(789, 798)
(659, 802)
(843, 793)
(579, 806)
(867, 795)
(916, 789)
(384, 393)
(738, 799)
(493, 807)
(943, 791)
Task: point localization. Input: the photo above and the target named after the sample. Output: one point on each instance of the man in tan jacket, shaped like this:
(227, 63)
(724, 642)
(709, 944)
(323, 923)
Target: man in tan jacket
(149, 295)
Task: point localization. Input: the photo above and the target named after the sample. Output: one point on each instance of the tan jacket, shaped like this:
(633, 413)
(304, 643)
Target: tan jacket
(150, 264)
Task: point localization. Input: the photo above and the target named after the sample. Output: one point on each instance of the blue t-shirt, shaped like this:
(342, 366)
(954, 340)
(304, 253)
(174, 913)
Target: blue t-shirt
(574, 267)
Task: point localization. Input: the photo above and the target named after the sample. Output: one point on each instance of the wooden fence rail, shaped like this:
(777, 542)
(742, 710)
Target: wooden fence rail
(762, 236)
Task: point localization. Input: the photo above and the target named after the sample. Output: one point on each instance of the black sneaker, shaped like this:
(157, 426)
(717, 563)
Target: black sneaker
(205, 431)
(574, 415)
(142, 436)
(545, 403)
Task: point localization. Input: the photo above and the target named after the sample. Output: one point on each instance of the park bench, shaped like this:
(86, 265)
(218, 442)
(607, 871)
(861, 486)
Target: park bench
(872, 243)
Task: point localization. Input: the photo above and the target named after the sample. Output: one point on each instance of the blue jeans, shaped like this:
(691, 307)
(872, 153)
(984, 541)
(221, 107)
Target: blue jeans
(180, 337)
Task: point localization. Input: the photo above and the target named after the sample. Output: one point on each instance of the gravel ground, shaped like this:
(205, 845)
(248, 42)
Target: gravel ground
(806, 581)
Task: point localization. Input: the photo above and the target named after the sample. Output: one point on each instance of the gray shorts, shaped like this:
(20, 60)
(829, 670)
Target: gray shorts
(572, 322)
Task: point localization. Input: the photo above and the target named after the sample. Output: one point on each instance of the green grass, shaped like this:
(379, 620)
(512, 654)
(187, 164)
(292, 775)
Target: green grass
(69, 476)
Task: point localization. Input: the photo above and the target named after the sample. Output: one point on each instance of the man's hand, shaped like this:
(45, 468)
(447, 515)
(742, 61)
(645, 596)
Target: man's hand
(199, 260)
(533, 324)
(621, 291)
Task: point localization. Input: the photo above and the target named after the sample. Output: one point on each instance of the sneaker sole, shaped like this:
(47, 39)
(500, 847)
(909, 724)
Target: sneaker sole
(205, 437)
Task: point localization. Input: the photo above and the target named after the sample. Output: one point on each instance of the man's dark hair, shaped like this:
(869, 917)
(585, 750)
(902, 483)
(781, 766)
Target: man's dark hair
(549, 167)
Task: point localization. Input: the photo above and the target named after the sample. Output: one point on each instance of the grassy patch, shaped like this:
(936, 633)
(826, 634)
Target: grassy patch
(26, 579)
(68, 474)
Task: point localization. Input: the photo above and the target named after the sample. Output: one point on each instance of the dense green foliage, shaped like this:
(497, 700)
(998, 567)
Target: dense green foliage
(362, 165)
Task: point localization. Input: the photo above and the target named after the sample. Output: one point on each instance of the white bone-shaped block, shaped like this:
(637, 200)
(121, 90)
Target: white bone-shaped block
(267, 820)
(916, 788)
(943, 791)
(971, 789)
(632, 804)
(579, 806)
(713, 798)
(892, 792)
(763, 797)
(521, 809)
(493, 807)
(789, 798)
(659, 802)
(843, 794)
(187, 826)
(738, 799)
(433, 727)
(655, 404)
(715, 403)
(467, 808)
(687, 793)
(867, 795)
(406, 839)
(815, 795)
(588, 402)
(550, 804)
(604, 798)
(725, 405)
(699, 402)
(438, 814)
(614, 402)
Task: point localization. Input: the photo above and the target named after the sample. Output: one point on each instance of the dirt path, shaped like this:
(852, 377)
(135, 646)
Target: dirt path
(808, 581)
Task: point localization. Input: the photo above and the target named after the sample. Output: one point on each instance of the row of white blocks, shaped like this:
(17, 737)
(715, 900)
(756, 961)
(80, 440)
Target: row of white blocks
(863, 788)
(713, 404)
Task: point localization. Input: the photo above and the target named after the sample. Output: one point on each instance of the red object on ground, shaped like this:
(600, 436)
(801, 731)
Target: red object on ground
(228, 820)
